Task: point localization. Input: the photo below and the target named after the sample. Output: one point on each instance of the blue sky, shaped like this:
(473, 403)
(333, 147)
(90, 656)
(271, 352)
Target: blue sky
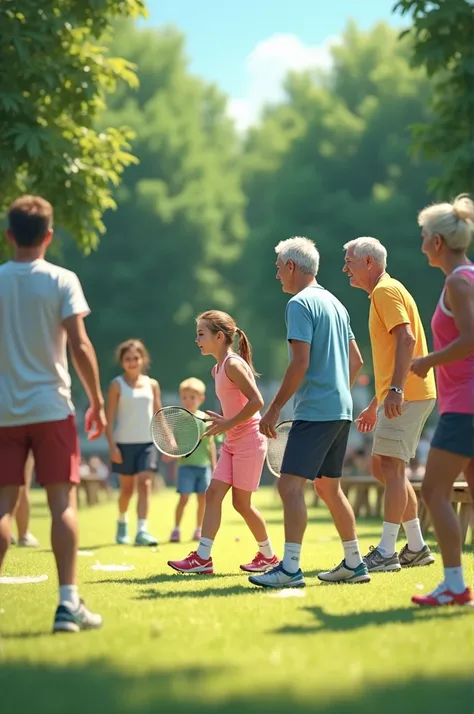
(247, 46)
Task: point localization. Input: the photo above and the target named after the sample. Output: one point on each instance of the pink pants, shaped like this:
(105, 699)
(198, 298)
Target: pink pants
(241, 461)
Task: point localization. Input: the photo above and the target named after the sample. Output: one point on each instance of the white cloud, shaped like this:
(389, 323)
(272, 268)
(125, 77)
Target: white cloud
(267, 66)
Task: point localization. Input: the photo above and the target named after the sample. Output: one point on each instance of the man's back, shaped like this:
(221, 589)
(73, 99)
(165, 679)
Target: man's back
(316, 317)
(35, 297)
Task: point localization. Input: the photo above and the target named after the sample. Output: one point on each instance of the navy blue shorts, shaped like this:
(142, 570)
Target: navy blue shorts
(193, 479)
(136, 458)
(455, 433)
(316, 448)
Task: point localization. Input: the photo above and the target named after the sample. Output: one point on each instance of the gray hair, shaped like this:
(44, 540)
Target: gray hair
(365, 246)
(302, 251)
(453, 221)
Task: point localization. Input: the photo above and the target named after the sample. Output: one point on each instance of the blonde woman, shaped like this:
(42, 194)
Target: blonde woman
(447, 231)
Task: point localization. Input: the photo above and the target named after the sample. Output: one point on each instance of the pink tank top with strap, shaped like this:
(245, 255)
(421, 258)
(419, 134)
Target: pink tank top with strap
(455, 380)
(232, 399)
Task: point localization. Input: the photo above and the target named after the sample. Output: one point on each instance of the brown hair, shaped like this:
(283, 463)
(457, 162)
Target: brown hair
(133, 344)
(218, 321)
(29, 219)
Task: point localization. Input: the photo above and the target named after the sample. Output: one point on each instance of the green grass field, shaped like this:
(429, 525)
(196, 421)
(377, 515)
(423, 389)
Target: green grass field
(216, 644)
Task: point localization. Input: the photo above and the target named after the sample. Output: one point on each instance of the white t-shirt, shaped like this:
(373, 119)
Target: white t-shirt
(35, 385)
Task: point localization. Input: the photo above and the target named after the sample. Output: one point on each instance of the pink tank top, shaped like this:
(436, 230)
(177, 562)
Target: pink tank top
(233, 400)
(455, 380)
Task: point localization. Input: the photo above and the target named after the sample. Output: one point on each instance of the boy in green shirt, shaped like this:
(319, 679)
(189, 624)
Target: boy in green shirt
(194, 472)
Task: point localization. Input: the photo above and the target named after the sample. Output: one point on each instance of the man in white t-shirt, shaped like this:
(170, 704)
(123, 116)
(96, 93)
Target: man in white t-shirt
(42, 308)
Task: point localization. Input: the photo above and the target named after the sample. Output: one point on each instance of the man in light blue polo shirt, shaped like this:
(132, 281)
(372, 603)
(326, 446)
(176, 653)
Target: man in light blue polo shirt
(324, 362)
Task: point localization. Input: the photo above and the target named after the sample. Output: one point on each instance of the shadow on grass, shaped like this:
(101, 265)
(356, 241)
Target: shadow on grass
(312, 519)
(83, 547)
(38, 515)
(97, 688)
(164, 578)
(32, 635)
(357, 620)
(153, 594)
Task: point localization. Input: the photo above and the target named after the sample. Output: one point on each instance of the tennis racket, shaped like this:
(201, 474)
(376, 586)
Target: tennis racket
(176, 431)
(276, 447)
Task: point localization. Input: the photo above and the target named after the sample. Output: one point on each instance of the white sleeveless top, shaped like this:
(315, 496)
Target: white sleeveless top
(134, 413)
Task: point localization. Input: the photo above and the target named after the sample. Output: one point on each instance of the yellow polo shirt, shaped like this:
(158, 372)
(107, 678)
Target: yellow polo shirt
(390, 305)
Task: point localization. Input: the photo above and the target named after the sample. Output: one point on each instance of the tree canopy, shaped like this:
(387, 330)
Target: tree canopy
(55, 74)
(201, 208)
(443, 43)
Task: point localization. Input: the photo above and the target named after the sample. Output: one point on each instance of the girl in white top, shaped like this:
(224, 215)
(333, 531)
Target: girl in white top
(131, 402)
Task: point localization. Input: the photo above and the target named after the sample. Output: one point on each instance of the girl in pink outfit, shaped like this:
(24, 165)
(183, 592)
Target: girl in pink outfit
(447, 231)
(243, 452)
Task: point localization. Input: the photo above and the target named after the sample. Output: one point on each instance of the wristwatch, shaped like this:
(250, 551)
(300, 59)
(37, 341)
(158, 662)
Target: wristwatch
(396, 389)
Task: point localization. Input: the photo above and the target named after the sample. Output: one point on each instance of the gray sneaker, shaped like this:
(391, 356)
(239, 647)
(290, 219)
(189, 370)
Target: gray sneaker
(377, 563)
(412, 559)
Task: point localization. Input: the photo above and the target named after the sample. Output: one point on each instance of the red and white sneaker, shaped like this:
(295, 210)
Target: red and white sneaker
(193, 564)
(442, 596)
(260, 564)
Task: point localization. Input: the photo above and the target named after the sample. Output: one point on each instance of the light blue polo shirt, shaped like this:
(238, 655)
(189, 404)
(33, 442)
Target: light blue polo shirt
(315, 316)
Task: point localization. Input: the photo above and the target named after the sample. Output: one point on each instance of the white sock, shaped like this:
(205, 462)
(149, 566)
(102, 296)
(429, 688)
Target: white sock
(204, 548)
(265, 548)
(414, 535)
(123, 518)
(291, 557)
(388, 542)
(352, 553)
(142, 525)
(454, 580)
(69, 596)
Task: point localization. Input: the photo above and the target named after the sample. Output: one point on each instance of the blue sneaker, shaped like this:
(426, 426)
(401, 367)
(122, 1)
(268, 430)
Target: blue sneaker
(343, 574)
(122, 537)
(278, 578)
(145, 538)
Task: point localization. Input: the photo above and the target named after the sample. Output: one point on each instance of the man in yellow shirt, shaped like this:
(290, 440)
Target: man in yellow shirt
(402, 402)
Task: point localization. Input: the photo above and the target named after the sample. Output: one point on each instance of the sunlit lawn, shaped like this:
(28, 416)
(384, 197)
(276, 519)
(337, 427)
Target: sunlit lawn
(217, 644)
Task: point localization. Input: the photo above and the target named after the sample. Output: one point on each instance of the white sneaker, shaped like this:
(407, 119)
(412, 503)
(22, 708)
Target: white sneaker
(278, 578)
(68, 620)
(28, 541)
(343, 574)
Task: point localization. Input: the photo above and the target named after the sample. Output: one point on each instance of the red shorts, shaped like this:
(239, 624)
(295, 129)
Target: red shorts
(56, 451)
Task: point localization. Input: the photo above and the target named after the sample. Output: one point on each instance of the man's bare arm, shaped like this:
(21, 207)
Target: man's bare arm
(84, 358)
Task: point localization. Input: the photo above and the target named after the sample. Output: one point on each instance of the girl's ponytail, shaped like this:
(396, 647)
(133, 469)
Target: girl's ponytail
(245, 349)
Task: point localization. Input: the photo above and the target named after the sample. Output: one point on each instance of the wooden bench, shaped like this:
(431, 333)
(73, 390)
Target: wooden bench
(361, 487)
(363, 504)
(460, 494)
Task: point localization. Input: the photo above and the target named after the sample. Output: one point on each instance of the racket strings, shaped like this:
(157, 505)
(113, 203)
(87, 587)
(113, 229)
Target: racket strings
(175, 431)
(276, 448)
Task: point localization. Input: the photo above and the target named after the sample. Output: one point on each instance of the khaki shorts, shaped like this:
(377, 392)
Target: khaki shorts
(399, 437)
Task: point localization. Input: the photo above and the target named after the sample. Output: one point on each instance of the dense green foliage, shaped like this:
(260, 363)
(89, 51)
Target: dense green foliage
(200, 212)
(54, 78)
(443, 42)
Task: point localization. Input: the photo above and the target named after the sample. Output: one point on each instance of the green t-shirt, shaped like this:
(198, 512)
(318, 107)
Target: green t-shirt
(201, 456)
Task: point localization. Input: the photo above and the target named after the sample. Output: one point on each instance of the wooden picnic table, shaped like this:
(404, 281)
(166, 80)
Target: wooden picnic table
(363, 504)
